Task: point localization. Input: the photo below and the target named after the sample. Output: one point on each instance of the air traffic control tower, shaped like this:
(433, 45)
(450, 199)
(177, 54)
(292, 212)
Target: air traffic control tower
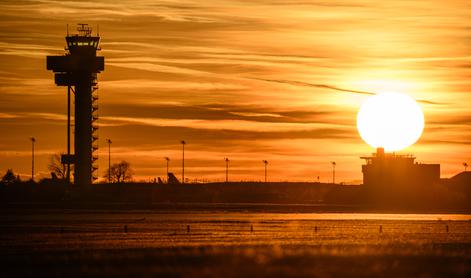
(77, 70)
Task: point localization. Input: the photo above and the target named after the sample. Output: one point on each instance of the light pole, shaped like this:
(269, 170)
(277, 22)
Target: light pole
(183, 160)
(465, 164)
(68, 136)
(109, 159)
(33, 140)
(168, 160)
(333, 171)
(227, 169)
(265, 162)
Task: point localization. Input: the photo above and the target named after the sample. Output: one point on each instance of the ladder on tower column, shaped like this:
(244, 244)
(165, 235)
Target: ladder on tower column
(94, 130)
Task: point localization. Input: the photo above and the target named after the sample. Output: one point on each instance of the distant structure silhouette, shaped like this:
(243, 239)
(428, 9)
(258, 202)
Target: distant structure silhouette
(171, 179)
(462, 180)
(265, 162)
(392, 171)
(10, 178)
(77, 70)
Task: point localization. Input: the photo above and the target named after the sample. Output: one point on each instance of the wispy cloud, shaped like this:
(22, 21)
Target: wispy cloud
(236, 125)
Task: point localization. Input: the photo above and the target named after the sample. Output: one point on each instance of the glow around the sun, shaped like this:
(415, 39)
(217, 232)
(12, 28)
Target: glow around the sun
(390, 120)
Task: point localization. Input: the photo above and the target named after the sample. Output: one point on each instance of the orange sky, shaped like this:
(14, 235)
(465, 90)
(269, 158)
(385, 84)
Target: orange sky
(248, 80)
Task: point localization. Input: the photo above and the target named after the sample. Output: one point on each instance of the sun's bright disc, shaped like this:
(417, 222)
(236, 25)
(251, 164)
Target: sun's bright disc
(389, 120)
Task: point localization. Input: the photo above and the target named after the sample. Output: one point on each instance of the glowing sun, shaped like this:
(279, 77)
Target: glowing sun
(391, 121)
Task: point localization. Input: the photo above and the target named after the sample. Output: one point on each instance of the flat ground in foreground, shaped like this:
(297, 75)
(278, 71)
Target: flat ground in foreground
(77, 243)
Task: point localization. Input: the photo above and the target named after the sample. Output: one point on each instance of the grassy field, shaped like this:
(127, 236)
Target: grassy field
(77, 243)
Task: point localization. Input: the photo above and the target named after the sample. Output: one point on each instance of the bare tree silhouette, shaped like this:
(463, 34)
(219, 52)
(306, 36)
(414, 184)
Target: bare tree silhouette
(56, 167)
(120, 172)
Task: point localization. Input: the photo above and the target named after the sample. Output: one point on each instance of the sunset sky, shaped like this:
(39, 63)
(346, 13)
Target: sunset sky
(248, 80)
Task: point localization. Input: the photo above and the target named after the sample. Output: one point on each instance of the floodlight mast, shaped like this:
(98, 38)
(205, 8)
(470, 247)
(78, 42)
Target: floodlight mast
(78, 69)
(167, 159)
(265, 162)
(33, 140)
(183, 160)
(227, 168)
(109, 159)
(333, 171)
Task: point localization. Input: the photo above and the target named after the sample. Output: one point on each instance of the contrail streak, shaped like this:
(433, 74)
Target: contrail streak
(330, 87)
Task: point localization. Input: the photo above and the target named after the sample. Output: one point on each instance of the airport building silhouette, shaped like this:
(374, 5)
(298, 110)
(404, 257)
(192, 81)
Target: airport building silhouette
(393, 170)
